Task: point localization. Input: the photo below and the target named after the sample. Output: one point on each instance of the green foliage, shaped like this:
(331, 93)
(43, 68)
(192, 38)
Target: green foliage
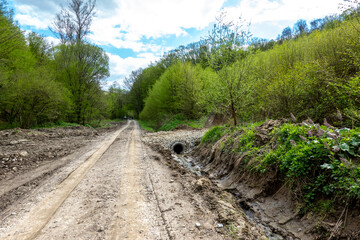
(317, 161)
(320, 164)
(80, 68)
(116, 102)
(173, 122)
(213, 134)
(177, 91)
(179, 120)
(146, 126)
(56, 125)
(40, 84)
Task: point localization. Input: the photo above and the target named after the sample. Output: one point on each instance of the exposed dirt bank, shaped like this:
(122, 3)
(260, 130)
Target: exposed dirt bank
(267, 199)
(206, 196)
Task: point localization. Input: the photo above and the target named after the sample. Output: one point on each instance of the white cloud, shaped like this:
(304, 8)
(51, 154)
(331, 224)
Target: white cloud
(259, 11)
(53, 41)
(29, 15)
(126, 23)
(136, 19)
(122, 67)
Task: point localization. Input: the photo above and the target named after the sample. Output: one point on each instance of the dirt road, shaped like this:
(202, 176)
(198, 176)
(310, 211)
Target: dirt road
(117, 189)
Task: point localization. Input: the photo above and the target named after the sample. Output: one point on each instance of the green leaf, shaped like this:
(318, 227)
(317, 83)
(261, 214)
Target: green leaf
(344, 147)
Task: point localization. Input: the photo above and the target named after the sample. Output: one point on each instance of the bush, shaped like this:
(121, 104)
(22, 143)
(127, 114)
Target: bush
(213, 135)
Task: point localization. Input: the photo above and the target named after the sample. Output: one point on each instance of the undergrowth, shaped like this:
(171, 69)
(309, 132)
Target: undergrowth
(178, 120)
(93, 124)
(146, 126)
(172, 123)
(320, 163)
(213, 134)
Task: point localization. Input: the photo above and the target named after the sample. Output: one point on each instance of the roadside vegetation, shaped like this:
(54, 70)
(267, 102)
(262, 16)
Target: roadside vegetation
(41, 84)
(309, 70)
(317, 165)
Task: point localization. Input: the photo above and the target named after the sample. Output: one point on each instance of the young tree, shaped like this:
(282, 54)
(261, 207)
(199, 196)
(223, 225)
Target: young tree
(227, 40)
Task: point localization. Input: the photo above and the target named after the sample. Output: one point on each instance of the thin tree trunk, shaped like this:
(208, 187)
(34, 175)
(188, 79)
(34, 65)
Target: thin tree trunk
(233, 110)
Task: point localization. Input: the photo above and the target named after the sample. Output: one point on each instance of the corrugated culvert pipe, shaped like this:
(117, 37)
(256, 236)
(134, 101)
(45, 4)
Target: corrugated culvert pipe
(178, 148)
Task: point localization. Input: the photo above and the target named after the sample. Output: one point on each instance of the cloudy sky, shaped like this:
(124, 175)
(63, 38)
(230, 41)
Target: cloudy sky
(135, 33)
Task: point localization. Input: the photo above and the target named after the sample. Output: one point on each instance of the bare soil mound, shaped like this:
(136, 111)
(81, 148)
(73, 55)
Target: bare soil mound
(24, 149)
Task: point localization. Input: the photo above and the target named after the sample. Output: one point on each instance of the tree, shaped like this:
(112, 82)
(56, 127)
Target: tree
(72, 25)
(286, 34)
(316, 24)
(134, 83)
(226, 41)
(82, 66)
(301, 27)
(176, 92)
(40, 49)
(262, 44)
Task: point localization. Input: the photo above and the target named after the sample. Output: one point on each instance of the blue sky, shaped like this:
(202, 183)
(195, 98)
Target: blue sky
(135, 33)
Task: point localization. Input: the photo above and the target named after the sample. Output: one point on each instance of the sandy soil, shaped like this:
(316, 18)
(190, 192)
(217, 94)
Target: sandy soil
(116, 187)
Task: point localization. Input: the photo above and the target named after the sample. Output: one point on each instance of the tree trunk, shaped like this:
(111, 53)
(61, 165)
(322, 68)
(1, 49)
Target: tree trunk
(233, 111)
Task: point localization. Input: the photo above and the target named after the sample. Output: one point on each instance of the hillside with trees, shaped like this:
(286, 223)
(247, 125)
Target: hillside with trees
(311, 72)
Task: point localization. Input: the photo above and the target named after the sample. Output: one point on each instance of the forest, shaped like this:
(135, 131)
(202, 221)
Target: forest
(308, 72)
(42, 85)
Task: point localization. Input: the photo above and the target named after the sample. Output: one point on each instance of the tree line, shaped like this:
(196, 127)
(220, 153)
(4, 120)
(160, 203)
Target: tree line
(308, 72)
(41, 83)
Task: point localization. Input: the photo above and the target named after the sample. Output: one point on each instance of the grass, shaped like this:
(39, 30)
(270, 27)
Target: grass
(93, 124)
(146, 126)
(172, 123)
(179, 119)
(213, 135)
(57, 124)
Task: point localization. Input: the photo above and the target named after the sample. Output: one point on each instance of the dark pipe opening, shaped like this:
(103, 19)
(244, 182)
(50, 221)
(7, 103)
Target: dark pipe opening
(178, 148)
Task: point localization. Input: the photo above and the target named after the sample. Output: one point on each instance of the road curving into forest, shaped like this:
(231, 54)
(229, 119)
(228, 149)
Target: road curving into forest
(122, 190)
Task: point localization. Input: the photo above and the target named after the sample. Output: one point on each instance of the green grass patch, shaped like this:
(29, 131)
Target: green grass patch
(146, 126)
(179, 119)
(93, 124)
(213, 134)
(56, 124)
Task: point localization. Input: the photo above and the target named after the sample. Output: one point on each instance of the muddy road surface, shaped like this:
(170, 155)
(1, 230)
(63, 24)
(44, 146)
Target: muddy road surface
(117, 188)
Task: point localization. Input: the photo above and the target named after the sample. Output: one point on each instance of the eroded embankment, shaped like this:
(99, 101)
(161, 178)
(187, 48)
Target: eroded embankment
(288, 176)
(205, 196)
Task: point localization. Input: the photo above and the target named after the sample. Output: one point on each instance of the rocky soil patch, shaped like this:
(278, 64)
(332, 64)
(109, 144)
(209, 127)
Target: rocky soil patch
(24, 149)
(166, 139)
